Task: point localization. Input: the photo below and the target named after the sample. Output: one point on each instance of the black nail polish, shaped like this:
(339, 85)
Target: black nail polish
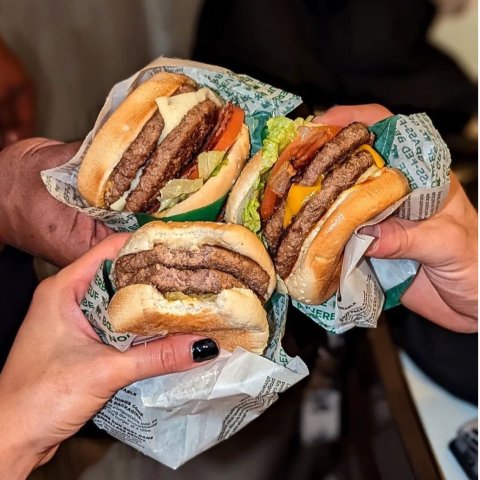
(204, 350)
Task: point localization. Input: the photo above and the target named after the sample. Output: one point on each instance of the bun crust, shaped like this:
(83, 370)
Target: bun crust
(316, 274)
(240, 193)
(193, 234)
(119, 131)
(218, 186)
(235, 317)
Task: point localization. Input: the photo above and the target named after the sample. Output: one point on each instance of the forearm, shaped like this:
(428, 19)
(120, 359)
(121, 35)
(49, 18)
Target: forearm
(17, 453)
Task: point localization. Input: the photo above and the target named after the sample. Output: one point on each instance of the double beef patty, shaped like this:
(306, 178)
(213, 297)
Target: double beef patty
(207, 269)
(332, 153)
(137, 154)
(340, 179)
(176, 151)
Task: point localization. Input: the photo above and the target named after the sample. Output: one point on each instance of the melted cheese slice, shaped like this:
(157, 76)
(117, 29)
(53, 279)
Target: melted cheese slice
(379, 161)
(173, 109)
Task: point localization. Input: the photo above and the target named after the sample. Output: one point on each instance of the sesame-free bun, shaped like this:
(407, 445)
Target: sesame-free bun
(316, 273)
(120, 130)
(234, 317)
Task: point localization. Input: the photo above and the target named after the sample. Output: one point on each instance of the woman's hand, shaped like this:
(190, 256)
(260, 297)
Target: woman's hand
(59, 374)
(446, 288)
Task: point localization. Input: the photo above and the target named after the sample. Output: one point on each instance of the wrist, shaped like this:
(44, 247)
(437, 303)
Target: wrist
(18, 452)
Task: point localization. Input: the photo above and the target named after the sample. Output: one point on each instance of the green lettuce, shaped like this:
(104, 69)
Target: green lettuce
(219, 167)
(177, 190)
(208, 162)
(250, 214)
(280, 132)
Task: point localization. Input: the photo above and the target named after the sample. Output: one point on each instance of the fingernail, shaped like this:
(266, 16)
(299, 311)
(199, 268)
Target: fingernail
(204, 350)
(372, 230)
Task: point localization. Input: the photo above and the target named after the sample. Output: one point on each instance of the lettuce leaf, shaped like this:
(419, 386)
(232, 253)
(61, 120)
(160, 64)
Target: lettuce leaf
(250, 214)
(179, 186)
(208, 162)
(280, 132)
(219, 167)
(177, 190)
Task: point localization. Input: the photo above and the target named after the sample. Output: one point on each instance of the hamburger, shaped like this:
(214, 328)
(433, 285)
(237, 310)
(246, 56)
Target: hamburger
(203, 278)
(305, 192)
(170, 147)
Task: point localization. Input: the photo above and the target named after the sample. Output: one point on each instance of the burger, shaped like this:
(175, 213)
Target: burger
(202, 278)
(305, 192)
(170, 147)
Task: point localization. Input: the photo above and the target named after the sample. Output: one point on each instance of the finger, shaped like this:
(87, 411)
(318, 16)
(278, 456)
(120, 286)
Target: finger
(28, 147)
(175, 353)
(397, 238)
(80, 273)
(343, 115)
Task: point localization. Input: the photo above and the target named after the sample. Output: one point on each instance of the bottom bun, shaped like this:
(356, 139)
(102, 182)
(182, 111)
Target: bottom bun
(316, 274)
(233, 318)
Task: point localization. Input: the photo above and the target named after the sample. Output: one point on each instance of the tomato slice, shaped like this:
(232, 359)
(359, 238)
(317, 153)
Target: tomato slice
(192, 173)
(232, 130)
(295, 156)
(225, 141)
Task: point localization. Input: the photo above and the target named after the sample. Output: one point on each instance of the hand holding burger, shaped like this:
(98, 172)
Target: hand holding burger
(305, 192)
(59, 374)
(445, 290)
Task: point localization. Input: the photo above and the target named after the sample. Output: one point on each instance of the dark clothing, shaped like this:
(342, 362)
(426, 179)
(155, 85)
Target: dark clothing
(342, 52)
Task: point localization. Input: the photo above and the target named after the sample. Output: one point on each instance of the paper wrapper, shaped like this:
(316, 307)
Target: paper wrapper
(175, 417)
(413, 145)
(259, 100)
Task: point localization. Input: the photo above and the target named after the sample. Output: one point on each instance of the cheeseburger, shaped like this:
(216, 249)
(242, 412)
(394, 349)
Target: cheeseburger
(170, 147)
(305, 192)
(203, 278)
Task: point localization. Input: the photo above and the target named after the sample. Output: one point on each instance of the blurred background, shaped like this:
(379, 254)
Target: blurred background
(364, 411)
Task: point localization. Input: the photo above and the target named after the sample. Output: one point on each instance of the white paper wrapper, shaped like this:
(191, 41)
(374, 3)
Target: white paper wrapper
(175, 417)
(259, 100)
(412, 144)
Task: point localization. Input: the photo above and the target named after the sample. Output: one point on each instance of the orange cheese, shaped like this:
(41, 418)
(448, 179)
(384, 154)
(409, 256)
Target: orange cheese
(297, 196)
(379, 161)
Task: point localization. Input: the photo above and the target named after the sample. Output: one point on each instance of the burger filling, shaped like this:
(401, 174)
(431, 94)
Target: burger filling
(207, 269)
(167, 149)
(310, 174)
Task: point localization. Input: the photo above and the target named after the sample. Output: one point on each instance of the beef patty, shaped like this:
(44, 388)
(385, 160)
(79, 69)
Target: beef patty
(332, 153)
(340, 179)
(137, 154)
(172, 155)
(207, 269)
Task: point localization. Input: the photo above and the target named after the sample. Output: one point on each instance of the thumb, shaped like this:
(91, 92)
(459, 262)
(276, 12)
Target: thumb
(171, 354)
(397, 238)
